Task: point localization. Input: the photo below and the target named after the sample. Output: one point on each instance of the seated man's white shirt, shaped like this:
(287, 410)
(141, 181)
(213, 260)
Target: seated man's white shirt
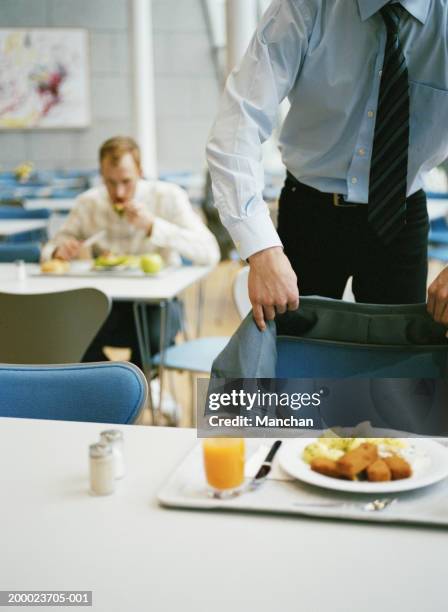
(177, 230)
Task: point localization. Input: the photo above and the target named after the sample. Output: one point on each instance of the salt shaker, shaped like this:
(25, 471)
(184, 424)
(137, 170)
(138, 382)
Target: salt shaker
(102, 469)
(20, 270)
(114, 438)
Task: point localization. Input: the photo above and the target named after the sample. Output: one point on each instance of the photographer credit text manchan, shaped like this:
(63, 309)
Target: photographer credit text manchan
(259, 421)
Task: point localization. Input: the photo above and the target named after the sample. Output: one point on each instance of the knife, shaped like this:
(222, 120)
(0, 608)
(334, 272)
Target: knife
(265, 467)
(93, 238)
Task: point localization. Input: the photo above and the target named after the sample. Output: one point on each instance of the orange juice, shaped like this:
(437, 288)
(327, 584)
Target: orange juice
(224, 462)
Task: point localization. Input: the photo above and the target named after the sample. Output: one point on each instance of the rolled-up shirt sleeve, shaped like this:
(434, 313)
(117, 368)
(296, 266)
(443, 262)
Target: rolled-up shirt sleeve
(71, 228)
(246, 118)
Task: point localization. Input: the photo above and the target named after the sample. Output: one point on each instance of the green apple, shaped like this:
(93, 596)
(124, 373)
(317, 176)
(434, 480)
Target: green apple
(151, 263)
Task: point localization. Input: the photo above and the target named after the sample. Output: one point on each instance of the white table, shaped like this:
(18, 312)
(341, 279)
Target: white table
(146, 289)
(10, 227)
(135, 555)
(53, 204)
(437, 208)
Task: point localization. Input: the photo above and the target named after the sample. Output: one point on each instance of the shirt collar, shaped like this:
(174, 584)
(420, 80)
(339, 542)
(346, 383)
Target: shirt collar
(417, 8)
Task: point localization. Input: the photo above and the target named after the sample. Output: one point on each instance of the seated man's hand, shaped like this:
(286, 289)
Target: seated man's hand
(272, 285)
(438, 298)
(68, 250)
(137, 214)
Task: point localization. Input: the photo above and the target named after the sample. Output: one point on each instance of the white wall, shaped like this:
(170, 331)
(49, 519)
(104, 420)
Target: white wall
(185, 84)
(107, 23)
(186, 87)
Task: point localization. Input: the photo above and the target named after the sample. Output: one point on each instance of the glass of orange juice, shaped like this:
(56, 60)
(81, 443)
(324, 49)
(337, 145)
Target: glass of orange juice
(224, 465)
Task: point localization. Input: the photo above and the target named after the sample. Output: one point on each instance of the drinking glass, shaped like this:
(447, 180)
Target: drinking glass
(224, 465)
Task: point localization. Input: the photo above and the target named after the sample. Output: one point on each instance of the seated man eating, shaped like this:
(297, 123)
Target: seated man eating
(137, 216)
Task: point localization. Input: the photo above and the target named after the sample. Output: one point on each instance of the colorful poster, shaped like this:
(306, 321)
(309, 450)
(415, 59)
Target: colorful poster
(44, 78)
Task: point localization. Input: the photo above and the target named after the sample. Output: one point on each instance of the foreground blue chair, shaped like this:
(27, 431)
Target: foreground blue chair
(14, 251)
(395, 356)
(302, 358)
(109, 392)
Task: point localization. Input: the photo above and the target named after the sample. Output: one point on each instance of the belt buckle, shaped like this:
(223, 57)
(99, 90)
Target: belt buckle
(338, 200)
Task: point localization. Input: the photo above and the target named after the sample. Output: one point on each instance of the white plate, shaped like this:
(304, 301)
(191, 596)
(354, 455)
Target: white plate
(429, 461)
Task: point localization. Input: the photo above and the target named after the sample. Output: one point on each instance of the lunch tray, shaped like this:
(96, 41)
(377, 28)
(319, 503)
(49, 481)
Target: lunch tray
(111, 273)
(186, 488)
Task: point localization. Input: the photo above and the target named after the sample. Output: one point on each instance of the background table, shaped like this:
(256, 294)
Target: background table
(53, 204)
(10, 227)
(437, 208)
(135, 555)
(146, 289)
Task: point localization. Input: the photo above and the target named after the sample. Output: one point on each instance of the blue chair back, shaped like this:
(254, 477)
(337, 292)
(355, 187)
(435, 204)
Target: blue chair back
(13, 251)
(302, 358)
(17, 212)
(110, 392)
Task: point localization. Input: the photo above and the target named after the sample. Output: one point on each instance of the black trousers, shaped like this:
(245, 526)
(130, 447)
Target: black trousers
(326, 244)
(119, 330)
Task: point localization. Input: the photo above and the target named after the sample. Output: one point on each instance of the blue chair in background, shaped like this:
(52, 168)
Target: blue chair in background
(14, 251)
(438, 232)
(16, 212)
(110, 392)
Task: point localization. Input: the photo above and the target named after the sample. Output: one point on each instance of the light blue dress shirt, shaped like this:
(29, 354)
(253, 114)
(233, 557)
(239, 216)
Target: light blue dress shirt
(326, 57)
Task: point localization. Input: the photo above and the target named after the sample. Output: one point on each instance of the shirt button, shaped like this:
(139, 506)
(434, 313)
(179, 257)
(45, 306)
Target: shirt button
(369, 113)
(361, 151)
(354, 180)
(380, 73)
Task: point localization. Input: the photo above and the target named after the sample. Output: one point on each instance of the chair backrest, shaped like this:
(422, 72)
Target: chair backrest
(13, 251)
(305, 358)
(50, 327)
(110, 392)
(240, 292)
(16, 212)
(334, 339)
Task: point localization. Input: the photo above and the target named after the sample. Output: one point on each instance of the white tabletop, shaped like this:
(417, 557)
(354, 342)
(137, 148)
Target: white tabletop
(135, 555)
(9, 227)
(53, 204)
(145, 289)
(437, 208)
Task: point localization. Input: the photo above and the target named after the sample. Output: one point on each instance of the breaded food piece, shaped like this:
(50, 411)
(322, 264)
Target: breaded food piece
(355, 461)
(325, 466)
(399, 467)
(378, 471)
(54, 266)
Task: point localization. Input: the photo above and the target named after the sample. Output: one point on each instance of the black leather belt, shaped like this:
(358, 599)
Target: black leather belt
(336, 199)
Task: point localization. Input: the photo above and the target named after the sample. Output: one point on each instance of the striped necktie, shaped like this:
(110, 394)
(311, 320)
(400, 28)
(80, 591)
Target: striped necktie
(389, 164)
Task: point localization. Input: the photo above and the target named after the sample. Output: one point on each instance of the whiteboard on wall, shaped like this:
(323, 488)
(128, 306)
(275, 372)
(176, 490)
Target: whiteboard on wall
(44, 78)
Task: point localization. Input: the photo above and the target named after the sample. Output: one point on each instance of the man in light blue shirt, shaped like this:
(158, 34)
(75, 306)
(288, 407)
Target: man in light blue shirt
(328, 58)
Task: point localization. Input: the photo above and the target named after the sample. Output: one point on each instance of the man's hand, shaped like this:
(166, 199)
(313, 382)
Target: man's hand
(137, 214)
(68, 250)
(438, 298)
(272, 285)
